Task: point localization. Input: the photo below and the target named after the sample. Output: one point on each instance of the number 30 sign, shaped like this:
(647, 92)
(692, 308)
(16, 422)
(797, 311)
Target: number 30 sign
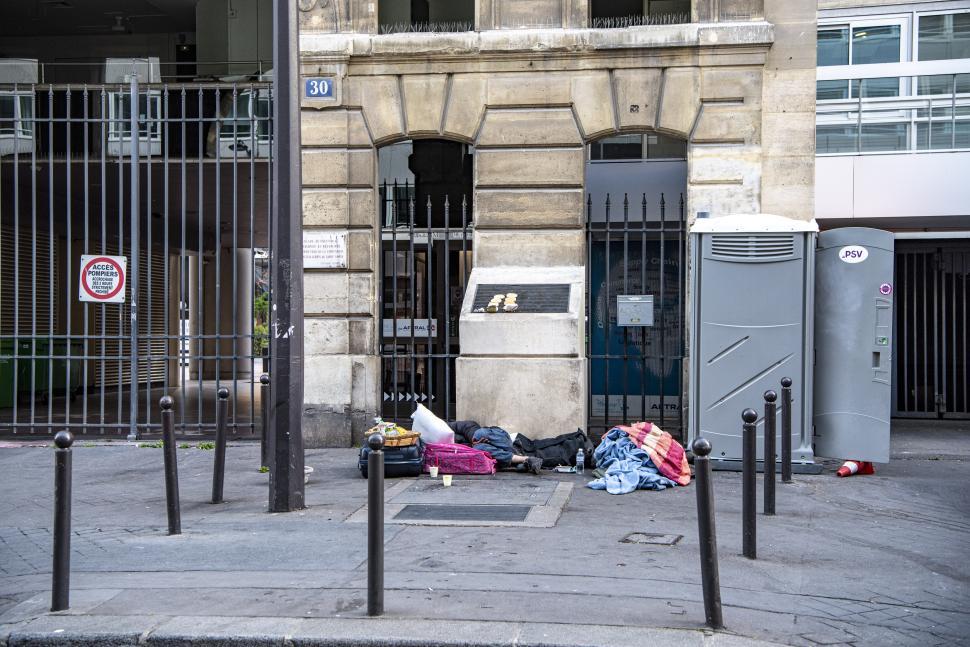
(318, 88)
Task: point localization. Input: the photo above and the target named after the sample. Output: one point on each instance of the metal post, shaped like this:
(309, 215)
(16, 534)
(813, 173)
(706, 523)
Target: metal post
(61, 584)
(219, 466)
(786, 430)
(375, 525)
(264, 416)
(706, 534)
(286, 492)
(134, 243)
(171, 466)
(748, 494)
(769, 453)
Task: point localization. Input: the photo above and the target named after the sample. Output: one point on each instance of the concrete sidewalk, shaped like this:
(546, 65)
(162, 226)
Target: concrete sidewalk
(879, 560)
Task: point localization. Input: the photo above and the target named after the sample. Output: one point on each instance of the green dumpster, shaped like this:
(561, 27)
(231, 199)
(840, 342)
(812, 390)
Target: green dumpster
(36, 389)
(66, 367)
(7, 361)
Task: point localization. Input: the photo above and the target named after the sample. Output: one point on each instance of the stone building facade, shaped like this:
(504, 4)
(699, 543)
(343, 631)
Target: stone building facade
(530, 87)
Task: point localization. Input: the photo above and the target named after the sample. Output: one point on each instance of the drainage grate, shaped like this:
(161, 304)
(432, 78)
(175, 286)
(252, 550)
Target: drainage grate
(651, 538)
(425, 512)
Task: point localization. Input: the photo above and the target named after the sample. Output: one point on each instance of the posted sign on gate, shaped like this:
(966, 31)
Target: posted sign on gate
(102, 279)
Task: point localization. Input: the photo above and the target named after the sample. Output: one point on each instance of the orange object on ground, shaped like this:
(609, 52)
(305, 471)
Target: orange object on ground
(850, 468)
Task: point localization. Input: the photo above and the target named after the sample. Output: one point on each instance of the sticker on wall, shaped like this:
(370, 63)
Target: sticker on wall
(853, 254)
(885, 289)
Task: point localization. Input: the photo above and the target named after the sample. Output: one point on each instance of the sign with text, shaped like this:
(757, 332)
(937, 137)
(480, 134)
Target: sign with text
(102, 279)
(324, 250)
(318, 87)
(405, 326)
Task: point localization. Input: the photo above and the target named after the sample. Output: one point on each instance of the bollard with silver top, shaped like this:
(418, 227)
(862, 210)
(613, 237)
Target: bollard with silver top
(749, 504)
(219, 466)
(61, 572)
(375, 525)
(771, 413)
(786, 430)
(710, 582)
(171, 466)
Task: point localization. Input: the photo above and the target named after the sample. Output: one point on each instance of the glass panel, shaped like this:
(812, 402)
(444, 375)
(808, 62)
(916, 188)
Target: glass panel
(27, 116)
(876, 88)
(942, 84)
(835, 139)
(149, 125)
(942, 138)
(875, 45)
(264, 111)
(6, 115)
(833, 46)
(624, 147)
(236, 122)
(884, 137)
(944, 37)
(831, 90)
(663, 147)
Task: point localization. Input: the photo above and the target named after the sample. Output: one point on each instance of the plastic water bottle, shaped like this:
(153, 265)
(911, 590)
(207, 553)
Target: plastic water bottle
(580, 461)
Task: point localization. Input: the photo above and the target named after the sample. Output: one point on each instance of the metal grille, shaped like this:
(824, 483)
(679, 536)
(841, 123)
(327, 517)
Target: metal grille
(754, 247)
(425, 265)
(187, 202)
(424, 512)
(635, 373)
(931, 330)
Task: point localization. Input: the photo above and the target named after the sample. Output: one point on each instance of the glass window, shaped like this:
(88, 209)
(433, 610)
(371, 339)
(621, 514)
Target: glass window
(942, 135)
(833, 46)
(835, 139)
(149, 113)
(942, 84)
(946, 36)
(235, 124)
(884, 137)
(264, 115)
(888, 87)
(831, 90)
(624, 147)
(7, 115)
(878, 44)
(27, 116)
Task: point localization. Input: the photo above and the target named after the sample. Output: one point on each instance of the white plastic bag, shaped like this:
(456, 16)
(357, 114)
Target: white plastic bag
(432, 428)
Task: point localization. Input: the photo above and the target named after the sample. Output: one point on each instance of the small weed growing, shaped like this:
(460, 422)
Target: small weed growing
(263, 469)
(206, 445)
(155, 444)
(185, 446)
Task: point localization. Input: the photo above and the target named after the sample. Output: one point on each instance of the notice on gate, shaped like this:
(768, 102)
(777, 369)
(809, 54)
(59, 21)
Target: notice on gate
(103, 279)
(324, 250)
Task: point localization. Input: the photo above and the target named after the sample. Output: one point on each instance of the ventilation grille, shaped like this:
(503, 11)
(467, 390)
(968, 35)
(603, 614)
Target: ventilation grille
(752, 246)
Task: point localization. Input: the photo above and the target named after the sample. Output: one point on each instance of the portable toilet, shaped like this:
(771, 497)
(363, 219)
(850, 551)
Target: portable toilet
(751, 322)
(17, 78)
(120, 71)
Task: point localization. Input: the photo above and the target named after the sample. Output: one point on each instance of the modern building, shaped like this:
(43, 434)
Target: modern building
(892, 152)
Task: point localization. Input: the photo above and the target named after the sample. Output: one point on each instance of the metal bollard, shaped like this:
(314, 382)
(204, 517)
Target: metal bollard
(219, 467)
(771, 411)
(171, 467)
(61, 579)
(375, 525)
(749, 505)
(786, 430)
(706, 534)
(264, 412)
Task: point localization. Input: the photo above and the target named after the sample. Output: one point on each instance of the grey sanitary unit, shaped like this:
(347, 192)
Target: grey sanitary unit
(751, 325)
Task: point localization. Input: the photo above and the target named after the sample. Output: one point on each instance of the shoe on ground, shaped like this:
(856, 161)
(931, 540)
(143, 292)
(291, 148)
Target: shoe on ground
(534, 464)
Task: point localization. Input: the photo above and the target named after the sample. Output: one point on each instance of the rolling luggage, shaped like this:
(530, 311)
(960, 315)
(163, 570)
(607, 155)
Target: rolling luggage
(398, 461)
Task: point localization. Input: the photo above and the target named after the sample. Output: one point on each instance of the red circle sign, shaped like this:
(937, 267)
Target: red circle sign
(97, 295)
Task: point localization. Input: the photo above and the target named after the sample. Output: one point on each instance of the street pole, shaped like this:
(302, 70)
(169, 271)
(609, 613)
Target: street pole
(286, 239)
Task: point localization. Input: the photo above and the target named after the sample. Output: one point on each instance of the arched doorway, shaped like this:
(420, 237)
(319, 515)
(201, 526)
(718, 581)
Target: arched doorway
(636, 280)
(425, 260)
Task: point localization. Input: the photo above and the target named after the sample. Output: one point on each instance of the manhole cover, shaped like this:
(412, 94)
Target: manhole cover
(651, 538)
(419, 512)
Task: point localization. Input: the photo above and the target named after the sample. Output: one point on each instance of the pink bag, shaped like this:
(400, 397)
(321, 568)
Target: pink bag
(457, 459)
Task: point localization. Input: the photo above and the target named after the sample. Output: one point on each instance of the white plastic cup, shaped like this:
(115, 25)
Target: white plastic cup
(434, 471)
(446, 479)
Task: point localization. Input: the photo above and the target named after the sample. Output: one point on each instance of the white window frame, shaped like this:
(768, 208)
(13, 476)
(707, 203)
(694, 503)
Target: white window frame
(939, 12)
(905, 23)
(116, 130)
(21, 131)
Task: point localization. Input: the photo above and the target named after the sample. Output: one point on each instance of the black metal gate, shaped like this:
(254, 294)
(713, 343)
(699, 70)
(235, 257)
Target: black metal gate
(426, 258)
(635, 246)
(931, 329)
(186, 202)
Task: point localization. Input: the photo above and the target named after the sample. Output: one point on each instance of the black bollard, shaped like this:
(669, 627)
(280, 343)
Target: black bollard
(786, 430)
(171, 467)
(219, 466)
(706, 534)
(769, 453)
(264, 411)
(375, 525)
(749, 502)
(61, 580)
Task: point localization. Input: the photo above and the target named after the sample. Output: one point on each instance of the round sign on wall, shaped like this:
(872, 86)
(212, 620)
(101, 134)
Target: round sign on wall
(853, 254)
(102, 279)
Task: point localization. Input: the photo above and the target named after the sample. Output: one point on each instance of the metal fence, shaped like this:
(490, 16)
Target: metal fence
(187, 203)
(635, 246)
(425, 265)
(931, 352)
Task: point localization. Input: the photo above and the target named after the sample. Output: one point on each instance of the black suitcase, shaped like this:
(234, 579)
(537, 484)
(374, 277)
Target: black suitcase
(398, 461)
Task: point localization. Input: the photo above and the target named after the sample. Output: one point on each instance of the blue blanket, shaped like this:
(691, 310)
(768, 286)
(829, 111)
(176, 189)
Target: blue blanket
(627, 467)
